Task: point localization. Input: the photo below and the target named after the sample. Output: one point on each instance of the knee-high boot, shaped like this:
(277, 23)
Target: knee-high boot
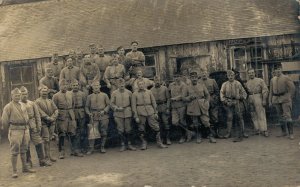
(28, 157)
(103, 142)
(41, 155)
(144, 142)
(14, 160)
(290, 127)
(210, 133)
(91, 146)
(159, 142)
(47, 152)
(61, 147)
(129, 141)
(24, 165)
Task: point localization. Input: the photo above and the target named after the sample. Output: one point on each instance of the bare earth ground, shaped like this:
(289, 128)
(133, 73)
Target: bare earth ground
(257, 161)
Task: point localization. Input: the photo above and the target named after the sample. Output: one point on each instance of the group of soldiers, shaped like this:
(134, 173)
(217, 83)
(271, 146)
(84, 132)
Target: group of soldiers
(72, 105)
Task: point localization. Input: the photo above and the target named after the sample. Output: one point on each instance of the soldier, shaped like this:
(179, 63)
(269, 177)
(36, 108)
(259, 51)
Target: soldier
(136, 59)
(79, 99)
(50, 82)
(34, 129)
(133, 82)
(113, 73)
(70, 73)
(178, 91)
(89, 73)
(102, 60)
(55, 65)
(48, 112)
(66, 124)
(198, 105)
(16, 118)
(282, 90)
(97, 107)
(145, 109)
(78, 59)
(123, 59)
(214, 101)
(121, 105)
(162, 98)
(232, 95)
(72, 55)
(257, 99)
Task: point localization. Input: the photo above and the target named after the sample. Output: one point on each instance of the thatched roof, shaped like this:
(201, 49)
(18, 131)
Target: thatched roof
(36, 30)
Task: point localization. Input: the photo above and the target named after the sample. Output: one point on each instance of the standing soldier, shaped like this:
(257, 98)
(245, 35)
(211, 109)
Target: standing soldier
(214, 101)
(79, 59)
(162, 98)
(113, 73)
(198, 105)
(136, 59)
(50, 82)
(145, 109)
(66, 124)
(282, 90)
(123, 59)
(89, 73)
(121, 105)
(232, 95)
(102, 60)
(48, 112)
(16, 118)
(258, 94)
(133, 82)
(178, 91)
(70, 73)
(97, 107)
(55, 65)
(79, 99)
(34, 129)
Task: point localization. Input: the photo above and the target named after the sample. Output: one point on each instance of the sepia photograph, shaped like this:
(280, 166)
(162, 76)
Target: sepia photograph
(150, 93)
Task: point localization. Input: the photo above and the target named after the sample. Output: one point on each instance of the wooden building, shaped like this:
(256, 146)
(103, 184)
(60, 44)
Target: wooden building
(174, 35)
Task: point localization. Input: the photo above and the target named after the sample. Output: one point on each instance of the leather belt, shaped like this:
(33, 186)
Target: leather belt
(278, 94)
(161, 102)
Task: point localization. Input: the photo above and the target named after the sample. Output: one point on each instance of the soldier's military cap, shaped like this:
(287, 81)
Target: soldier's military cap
(23, 89)
(193, 72)
(15, 91)
(43, 88)
(74, 81)
(134, 42)
(95, 83)
(63, 82)
(230, 72)
(92, 45)
(120, 47)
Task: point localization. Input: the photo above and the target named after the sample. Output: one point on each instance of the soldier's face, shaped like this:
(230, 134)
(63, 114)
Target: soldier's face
(139, 74)
(141, 85)
(72, 55)
(134, 46)
(121, 51)
(101, 50)
(49, 73)
(204, 75)
(177, 79)
(122, 85)
(157, 82)
(194, 79)
(69, 63)
(87, 61)
(55, 58)
(96, 87)
(16, 97)
(75, 86)
(44, 93)
(251, 74)
(278, 72)
(115, 60)
(230, 77)
(24, 96)
(63, 87)
(93, 49)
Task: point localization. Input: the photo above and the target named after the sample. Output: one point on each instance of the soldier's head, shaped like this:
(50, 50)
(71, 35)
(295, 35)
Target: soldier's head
(115, 59)
(134, 45)
(194, 77)
(121, 83)
(63, 85)
(69, 63)
(49, 72)
(121, 51)
(204, 74)
(157, 81)
(278, 71)
(87, 60)
(16, 95)
(79, 54)
(101, 50)
(230, 75)
(72, 54)
(96, 87)
(139, 74)
(44, 91)
(24, 94)
(93, 48)
(54, 58)
(251, 73)
(75, 85)
(141, 84)
(177, 78)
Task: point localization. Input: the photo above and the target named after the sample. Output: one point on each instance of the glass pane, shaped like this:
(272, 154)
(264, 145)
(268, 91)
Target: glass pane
(150, 60)
(15, 75)
(240, 65)
(149, 72)
(27, 75)
(239, 53)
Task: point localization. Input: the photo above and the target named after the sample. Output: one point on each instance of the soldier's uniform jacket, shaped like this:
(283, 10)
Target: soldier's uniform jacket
(56, 67)
(282, 89)
(79, 99)
(257, 86)
(134, 83)
(47, 109)
(232, 91)
(178, 91)
(90, 73)
(15, 115)
(213, 90)
(69, 74)
(125, 62)
(112, 73)
(97, 102)
(143, 103)
(33, 115)
(199, 105)
(121, 99)
(162, 98)
(132, 55)
(50, 82)
(102, 62)
(64, 103)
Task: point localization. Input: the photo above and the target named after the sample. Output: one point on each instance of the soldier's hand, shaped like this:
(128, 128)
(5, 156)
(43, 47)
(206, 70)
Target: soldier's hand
(137, 120)
(120, 109)
(156, 116)
(2, 127)
(264, 103)
(90, 115)
(108, 85)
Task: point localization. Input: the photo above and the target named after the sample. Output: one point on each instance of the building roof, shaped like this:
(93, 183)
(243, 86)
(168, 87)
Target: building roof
(37, 30)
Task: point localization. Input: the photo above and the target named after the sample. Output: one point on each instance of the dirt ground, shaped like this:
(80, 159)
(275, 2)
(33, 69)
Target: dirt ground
(257, 161)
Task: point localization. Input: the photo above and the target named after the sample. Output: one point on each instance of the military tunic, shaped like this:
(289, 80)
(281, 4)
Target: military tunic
(102, 62)
(136, 61)
(56, 67)
(51, 83)
(112, 74)
(70, 74)
(134, 83)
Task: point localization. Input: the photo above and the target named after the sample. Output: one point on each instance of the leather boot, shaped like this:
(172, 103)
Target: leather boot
(41, 155)
(198, 135)
(283, 129)
(210, 135)
(91, 147)
(229, 126)
(61, 148)
(182, 138)
(129, 145)
(103, 141)
(24, 165)
(47, 152)
(61, 154)
(159, 142)
(168, 141)
(75, 145)
(28, 157)
(144, 142)
(290, 127)
(14, 160)
(189, 135)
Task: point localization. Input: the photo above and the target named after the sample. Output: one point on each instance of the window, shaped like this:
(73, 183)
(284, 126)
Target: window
(256, 54)
(150, 68)
(240, 61)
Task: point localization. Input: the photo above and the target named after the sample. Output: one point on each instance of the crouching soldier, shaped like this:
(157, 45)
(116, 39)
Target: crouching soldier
(144, 109)
(162, 98)
(34, 129)
(198, 105)
(97, 107)
(48, 112)
(121, 105)
(66, 124)
(16, 118)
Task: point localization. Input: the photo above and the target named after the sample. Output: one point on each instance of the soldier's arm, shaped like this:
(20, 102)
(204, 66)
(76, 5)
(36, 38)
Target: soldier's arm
(141, 57)
(106, 109)
(37, 116)
(98, 74)
(82, 78)
(62, 75)
(153, 102)
(265, 91)
(87, 105)
(6, 116)
(41, 82)
(222, 92)
(133, 105)
(243, 93)
(206, 93)
(291, 87)
(216, 87)
(42, 113)
(113, 101)
(55, 113)
(271, 92)
(168, 98)
(106, 75)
